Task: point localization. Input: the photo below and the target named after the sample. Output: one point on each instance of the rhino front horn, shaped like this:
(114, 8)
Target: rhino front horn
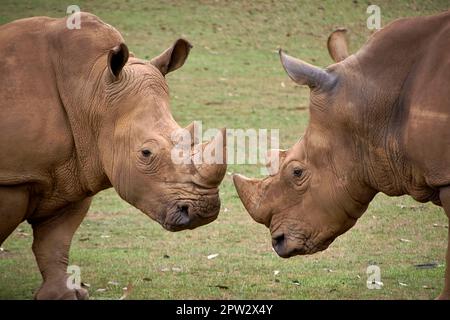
(250, 193)
(213, 166)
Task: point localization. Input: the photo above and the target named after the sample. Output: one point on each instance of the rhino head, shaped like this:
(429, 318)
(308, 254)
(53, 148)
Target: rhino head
(317, 192)
(136, 140)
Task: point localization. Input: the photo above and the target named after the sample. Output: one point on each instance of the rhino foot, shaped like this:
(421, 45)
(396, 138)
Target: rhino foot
(49, 292)
(443, 296)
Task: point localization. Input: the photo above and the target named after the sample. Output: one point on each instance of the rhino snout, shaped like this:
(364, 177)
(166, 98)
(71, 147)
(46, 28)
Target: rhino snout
(192, 214)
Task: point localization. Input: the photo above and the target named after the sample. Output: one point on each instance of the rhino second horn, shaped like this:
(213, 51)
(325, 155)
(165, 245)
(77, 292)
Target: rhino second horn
(191, 129)
(273, 155)
(250, 193)
(211, 172)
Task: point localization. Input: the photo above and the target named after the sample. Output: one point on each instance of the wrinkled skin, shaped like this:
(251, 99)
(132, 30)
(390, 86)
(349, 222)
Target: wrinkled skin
(303, 214)
(80, 114)
(379, 122)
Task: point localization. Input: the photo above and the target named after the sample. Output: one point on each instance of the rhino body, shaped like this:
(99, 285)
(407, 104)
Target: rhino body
(379, 122)
(79, 114)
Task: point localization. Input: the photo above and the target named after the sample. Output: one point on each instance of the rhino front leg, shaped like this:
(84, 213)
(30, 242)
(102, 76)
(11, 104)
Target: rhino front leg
(51, 246)
(13, 208)
(444, 196)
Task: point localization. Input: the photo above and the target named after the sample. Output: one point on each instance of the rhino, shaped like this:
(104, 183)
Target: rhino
(79, 113)
(379, 122)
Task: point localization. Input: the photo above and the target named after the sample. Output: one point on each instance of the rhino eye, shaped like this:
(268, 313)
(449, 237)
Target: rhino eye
(146, 153)
(297, 172)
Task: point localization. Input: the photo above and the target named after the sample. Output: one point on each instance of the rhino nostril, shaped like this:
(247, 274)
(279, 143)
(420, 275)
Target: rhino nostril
(184, 209)
(278, 241)
(181, 217)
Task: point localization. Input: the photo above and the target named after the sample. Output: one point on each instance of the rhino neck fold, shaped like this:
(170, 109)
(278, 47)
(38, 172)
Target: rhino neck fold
(78, 61)
(80, 102)
(377, 81)
(375, 121)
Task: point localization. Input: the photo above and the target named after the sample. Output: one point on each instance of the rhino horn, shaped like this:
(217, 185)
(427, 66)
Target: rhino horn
(251, 195)
(212, 168)
(274, 158)
(191, 128)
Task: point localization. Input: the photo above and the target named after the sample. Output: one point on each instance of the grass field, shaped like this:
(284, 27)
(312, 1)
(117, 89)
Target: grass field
(233, 79)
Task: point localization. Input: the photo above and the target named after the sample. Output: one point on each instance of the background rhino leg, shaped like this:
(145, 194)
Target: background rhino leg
(444, 196)
(51, 246)
(13, 208)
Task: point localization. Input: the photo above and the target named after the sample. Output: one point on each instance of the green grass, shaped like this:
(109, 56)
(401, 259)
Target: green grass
(233, 79)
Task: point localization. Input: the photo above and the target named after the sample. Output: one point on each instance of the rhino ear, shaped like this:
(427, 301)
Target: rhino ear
(337, 45)
(117, 58)
(173, 58)
(305, 73)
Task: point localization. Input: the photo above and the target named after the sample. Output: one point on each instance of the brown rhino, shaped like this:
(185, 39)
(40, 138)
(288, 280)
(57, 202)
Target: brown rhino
(79, 114)
(379, 122)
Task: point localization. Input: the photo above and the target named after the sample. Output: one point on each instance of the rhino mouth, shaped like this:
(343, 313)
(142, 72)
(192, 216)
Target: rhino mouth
(287, 246)
(188, 214)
